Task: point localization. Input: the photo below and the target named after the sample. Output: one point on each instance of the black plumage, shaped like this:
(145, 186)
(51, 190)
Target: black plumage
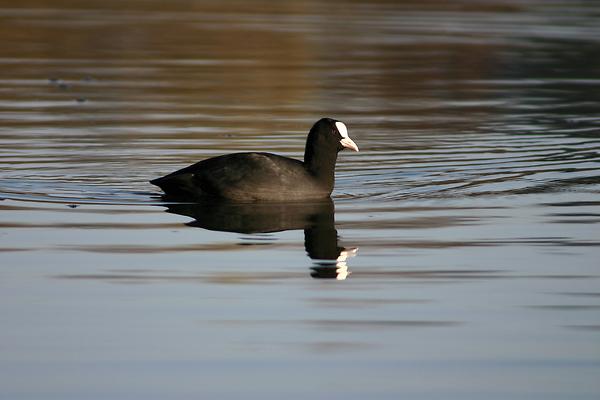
(265, 176)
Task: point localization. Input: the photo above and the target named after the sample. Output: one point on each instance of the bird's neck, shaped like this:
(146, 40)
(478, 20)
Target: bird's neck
(320, 163)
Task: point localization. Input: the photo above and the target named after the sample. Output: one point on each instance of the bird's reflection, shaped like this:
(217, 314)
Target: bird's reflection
(315, 218)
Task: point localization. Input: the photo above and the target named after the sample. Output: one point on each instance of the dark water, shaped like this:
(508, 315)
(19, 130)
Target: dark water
(464, 236)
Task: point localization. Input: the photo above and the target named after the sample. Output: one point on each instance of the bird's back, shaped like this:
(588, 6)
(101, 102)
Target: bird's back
(245, 177)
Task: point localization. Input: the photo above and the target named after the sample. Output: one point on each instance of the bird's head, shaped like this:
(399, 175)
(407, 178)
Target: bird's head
(328, 132)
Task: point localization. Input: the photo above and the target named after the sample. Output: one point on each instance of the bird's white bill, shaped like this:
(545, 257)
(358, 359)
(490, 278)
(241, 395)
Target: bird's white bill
(349, 144)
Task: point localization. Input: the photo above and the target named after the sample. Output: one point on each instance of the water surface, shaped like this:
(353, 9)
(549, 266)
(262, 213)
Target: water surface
(457, 259)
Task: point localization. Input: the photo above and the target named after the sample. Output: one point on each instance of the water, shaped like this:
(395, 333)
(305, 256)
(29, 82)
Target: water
(458, 259)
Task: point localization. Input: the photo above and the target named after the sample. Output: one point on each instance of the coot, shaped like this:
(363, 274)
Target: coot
(265, 176)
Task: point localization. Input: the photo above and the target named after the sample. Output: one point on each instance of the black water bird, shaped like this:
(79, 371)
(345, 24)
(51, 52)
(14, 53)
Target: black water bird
(252, 177)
